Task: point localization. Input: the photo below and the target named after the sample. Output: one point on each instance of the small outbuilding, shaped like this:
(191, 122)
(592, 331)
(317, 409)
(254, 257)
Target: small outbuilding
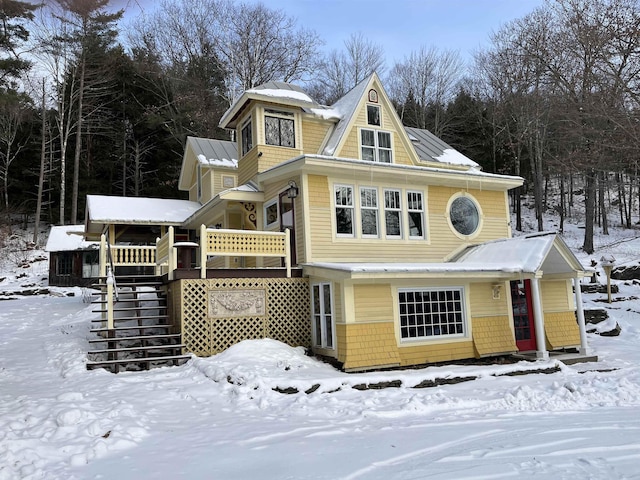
(73, 261)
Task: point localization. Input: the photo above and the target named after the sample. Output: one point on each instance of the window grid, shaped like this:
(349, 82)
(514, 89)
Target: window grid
(279, 131)
(247, 138)
(415, 210)
(322, 315)
(430, 313)
(344, 210)
(393, 213)
(376, 146)
(369, 211)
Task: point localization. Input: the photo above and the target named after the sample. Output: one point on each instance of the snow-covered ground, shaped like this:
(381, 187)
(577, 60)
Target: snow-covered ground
(220, 417)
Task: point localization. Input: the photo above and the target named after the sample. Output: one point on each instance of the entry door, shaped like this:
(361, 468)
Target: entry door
(287, 220)
(523, 315)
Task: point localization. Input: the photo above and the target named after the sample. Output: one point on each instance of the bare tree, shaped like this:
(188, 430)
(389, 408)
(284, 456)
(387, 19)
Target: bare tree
(341, 70)
(425, 78)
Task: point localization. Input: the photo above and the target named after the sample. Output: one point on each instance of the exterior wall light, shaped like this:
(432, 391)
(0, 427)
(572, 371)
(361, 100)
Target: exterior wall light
(292, 192)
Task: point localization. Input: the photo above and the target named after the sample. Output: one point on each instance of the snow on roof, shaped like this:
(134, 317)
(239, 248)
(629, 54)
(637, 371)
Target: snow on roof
(218, 162)
(156, 211)
(454, 157)
(67, 238)
(509, 255)
(282, 93)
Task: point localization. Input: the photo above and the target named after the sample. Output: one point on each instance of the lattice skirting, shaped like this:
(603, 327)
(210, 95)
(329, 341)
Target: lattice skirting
(285, 317)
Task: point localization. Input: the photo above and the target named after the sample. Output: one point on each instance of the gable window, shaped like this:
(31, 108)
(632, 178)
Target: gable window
(392, 213)
(270, 213)
(415, 210)
(376, 145)
(323, 322)
(247, 137)
(431, 313)
(344, 210)
(369, 212)
(373, 115)
(279, 129)
(199, 182)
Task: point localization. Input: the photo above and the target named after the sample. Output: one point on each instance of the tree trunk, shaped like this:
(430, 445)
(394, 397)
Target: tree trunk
(603, 205)
(589, 210)
(78, 150)
(43, 157)
(561, 207)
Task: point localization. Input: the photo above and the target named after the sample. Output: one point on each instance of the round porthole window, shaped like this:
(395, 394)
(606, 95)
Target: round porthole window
(464, 215)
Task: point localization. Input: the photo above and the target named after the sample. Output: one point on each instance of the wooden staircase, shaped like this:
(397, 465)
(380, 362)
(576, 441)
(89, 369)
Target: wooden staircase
(141, 337)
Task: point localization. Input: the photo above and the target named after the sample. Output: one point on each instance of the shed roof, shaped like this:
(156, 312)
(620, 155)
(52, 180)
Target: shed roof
(66, 238)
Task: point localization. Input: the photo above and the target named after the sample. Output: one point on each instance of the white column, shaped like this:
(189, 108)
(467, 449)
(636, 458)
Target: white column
(584, 348)
(538, 321)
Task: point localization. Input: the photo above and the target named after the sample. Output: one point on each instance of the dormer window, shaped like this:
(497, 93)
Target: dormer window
(376, 146)
(279, 129)
(373, 115)
(247, 137)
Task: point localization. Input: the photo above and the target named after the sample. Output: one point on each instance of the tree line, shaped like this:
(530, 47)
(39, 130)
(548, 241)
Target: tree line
(87, 107)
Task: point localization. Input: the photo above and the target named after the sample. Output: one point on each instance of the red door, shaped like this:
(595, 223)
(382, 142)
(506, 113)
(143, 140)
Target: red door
(523, 315)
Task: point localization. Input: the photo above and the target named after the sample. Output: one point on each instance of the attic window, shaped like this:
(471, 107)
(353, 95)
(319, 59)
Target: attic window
(279, 129)
(373, 115)
(376, 146)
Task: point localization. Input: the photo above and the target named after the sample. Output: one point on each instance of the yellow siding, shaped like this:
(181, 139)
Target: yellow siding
(318, 193)
(207, 185)
(367, 345)
(493, 335)
(561, 330)
(248, 166)
(482, 301)
(555, 295)
(373, 303)
(313, 133)
(443, 352)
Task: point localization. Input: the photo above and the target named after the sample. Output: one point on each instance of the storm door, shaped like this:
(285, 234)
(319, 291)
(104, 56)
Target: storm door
(523, 315)
(288, 220)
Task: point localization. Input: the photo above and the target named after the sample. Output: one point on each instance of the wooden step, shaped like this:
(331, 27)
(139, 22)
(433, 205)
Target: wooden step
(124, 361)
(163, 336)
(123, 329)
(137, 349)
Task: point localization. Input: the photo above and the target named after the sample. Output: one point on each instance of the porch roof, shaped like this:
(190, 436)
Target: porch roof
(533, 255)
(67, 238)
(105, 210)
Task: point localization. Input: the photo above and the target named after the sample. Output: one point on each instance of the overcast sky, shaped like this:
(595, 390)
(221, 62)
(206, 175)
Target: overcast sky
(400, 26)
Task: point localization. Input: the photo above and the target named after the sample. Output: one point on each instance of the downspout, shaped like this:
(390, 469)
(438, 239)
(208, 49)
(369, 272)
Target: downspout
(538, 321)
(584, 348)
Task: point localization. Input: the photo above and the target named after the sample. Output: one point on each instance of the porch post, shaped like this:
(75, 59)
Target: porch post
(103, 255)
(287, 251)
(173, 255)
(584, 348)
(538, 320)
(203, 250)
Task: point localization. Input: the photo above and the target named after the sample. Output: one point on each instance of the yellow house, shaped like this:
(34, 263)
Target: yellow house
(402, 244)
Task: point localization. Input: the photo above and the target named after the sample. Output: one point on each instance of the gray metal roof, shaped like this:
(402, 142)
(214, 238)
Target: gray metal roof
(427, 145)
(279, 86)
(214, 150)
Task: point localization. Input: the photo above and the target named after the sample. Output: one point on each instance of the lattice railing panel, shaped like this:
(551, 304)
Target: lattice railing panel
(226, 242)
(286, 317)
(289, 314)
(196, 326)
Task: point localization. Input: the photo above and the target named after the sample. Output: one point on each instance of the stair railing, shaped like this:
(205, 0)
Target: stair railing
(106, 271)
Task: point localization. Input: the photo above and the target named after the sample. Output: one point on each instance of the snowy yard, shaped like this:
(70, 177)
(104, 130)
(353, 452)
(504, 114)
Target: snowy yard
(220, 417)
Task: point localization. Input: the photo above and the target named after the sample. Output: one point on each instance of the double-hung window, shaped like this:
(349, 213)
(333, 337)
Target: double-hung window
(415, 210)
(376, 146)
(393, 213)
(369, 212)
(431, 313)
(323, 325)
(344, 210)
(247, 137)
(279, 129)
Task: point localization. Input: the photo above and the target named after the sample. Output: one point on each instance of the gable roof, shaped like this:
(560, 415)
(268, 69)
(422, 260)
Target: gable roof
(209, 152)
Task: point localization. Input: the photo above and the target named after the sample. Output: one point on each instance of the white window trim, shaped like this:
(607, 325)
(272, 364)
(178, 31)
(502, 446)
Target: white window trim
(376, 209)
(400, 211)
(376, 147)
(264, 214)
(253, 134)
(322, 344)
(379, 115)
(480, 216)
(425, 340)
(422, 213)
(352, 207)
(284, 114)
(199, 182)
